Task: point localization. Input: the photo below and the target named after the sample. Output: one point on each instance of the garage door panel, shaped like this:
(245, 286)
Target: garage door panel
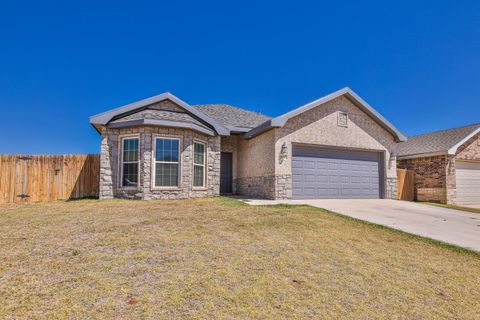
(322, 192)
(297, 164)
(321, 165)
(468, 182)
(337, 173)
(320, 178)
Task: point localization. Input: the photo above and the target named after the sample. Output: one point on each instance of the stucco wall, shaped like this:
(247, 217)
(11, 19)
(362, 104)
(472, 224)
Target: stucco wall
(319, 126)
(256, 166)
(110, 167)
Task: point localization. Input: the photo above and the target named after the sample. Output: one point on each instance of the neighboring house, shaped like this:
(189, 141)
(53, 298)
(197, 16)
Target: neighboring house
(446, 165)
(163, 148)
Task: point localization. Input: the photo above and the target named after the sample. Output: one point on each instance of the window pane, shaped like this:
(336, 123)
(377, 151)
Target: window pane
(198, 176)
(167, 150)
(198, 153)
(166, 174)
(130, 175)
(130, 149)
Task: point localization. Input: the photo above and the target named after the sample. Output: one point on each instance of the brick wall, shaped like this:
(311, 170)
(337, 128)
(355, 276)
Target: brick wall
(430, 177)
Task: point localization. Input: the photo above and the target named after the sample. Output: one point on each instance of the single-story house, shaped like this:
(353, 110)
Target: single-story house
(163, 148)
(446, 165)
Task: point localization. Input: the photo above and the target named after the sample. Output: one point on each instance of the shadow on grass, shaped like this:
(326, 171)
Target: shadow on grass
(83, 198)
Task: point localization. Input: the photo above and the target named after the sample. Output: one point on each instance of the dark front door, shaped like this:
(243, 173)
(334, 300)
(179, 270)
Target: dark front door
(225, 173)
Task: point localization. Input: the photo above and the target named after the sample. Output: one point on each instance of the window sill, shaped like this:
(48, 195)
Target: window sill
(129, 188)
(200, 189)
(166, 189)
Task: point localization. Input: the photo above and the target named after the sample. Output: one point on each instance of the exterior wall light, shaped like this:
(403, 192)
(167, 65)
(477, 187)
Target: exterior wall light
(283, 153)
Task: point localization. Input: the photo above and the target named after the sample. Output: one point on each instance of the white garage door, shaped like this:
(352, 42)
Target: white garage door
(468, 182)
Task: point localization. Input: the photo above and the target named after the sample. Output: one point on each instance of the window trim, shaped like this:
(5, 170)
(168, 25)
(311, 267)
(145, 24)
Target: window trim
(205, 165)
(120, 161)
(154, 161)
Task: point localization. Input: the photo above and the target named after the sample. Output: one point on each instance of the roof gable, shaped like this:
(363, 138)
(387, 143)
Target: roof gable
(105, 117)
(348, 93)
(438, 142)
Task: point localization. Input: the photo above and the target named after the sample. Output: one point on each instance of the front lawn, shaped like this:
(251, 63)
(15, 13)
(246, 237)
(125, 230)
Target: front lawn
(218, 258)
(452, 206)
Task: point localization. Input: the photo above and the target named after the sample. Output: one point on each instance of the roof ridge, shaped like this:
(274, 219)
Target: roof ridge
(231, 106)
(443, 130)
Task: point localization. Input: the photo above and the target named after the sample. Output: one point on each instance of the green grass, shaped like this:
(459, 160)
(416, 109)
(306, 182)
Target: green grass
(451, 206)
(220, 258)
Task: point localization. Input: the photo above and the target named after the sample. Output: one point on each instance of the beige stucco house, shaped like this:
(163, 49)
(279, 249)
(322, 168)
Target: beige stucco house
(446, 165)
(163, 148)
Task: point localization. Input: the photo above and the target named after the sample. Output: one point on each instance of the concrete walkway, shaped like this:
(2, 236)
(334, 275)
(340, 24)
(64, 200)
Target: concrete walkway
(447, 225)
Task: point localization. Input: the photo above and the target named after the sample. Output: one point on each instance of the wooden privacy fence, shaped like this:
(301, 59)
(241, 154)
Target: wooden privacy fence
(26, 178)
(405, 184)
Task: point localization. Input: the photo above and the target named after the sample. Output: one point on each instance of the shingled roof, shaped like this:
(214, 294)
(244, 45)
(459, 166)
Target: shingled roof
(232, 117)
(435, 142)
(161, 115)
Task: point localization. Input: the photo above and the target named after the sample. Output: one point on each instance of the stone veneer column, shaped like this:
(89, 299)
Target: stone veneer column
(106, 181)
(391, 188)
(146, 145)
(451, 180)
(213, 166)
(283, 186)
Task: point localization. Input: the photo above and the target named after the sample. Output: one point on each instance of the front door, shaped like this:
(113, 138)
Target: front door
(225, 173)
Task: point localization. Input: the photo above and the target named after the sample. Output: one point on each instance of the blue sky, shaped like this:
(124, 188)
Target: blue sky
(416, 62)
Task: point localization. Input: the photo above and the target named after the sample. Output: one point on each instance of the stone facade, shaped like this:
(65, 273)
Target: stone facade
(110, 164)
(320, 126)
(261, 170)
(260, 166)
(391, 188)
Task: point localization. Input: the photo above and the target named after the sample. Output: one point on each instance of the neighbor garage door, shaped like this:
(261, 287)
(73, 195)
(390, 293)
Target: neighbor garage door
(321, 173)
(468, 182)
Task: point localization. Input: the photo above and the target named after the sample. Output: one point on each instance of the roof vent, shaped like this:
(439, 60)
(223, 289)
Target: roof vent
(342, 120)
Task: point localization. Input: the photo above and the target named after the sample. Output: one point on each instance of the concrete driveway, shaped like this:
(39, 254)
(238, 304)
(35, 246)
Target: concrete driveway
(447, 225)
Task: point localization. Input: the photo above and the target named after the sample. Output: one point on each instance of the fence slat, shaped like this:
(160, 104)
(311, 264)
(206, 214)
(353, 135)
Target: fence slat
(405, 184)
(47, 178)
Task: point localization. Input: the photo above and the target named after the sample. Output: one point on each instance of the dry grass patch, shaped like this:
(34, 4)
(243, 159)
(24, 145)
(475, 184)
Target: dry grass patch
(217, 258)
(452, 206)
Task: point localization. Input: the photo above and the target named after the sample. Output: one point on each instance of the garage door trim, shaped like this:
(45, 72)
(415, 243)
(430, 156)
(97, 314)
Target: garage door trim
(340, 158)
